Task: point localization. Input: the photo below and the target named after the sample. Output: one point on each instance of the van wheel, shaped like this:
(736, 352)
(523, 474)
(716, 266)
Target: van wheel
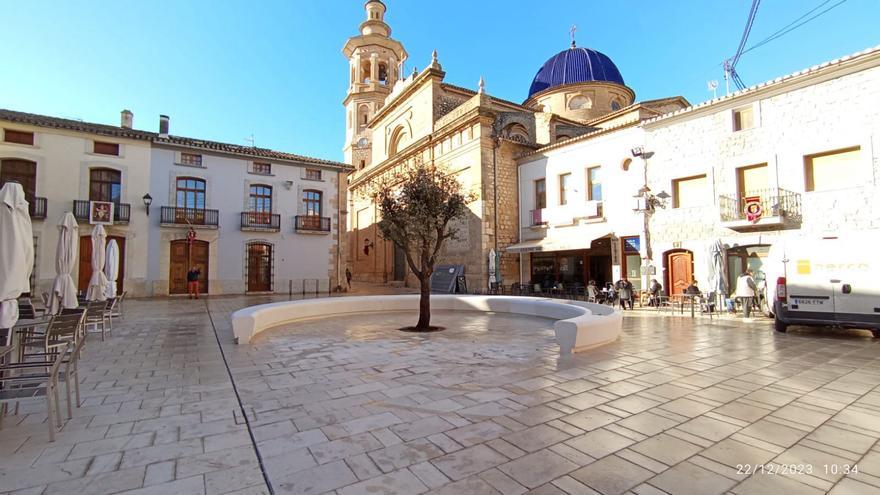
(876, 333)
(781, 327)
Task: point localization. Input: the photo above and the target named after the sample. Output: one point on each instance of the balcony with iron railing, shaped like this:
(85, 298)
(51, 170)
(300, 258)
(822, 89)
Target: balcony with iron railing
(262, 221)
(37, 208)
(172, 216)
(312, 224)
(121, 211)
(766, 209)
(537, 218)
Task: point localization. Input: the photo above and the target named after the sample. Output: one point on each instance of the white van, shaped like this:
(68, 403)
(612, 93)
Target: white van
(826, 281)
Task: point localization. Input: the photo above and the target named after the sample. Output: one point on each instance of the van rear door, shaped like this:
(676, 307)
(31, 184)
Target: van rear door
(810, 287)
(855, 280)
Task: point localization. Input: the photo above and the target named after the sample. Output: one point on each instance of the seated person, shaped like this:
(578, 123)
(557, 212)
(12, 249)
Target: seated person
(692, 289)
(654, 293)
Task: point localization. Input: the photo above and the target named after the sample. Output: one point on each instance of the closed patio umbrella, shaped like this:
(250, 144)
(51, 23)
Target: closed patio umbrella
(16, 251)
(98, 282)
(716, 269)
(492, 269)
(63, 289)
(111, 268)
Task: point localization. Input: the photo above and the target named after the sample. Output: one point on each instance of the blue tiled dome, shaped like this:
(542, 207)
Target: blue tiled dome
(575, 65)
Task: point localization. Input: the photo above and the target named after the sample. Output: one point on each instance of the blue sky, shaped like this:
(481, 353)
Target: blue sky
(225, 70)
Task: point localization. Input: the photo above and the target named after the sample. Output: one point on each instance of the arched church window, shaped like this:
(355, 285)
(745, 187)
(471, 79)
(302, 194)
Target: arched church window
(383, 73)
(580, 102)
(398, 140)
(363, 114)
(615, 105)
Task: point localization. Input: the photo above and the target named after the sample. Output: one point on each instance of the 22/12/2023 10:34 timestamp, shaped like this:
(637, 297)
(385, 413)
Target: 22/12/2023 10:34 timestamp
(784, 469)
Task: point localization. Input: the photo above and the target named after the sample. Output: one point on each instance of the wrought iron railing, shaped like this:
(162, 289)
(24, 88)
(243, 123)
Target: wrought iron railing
(37, 208)
(172, 215)
(312, 223)
(538, 217)
(121, 211)
(771, 202)
(260, 220)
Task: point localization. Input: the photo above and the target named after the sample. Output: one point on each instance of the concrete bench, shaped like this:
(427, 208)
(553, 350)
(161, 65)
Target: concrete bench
(579, 325)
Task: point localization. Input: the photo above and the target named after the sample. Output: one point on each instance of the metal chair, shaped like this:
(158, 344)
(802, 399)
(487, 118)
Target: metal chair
(98, 314)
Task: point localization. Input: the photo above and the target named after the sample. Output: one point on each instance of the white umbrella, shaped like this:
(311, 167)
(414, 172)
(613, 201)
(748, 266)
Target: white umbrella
(111, 268)
(98, 282)
(16, 251)
(63, 289)
(491, 267)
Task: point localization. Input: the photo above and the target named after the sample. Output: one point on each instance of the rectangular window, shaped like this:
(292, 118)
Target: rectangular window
(312, 201)
(743, 118)
(18, 137)
(540, 194)
(313, 174)
(690, 191)
(564, 182)
(191, 159)
(594, 184)
(751, 180)
(832, 170)
(262, 168)
(106, 148)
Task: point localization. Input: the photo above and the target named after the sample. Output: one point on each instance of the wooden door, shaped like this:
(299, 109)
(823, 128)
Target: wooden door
(259, 266)
(85, 262)
(181, 261)
(680, 266)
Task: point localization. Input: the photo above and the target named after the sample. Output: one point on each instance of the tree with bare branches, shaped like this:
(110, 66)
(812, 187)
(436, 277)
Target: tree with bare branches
(417, 206)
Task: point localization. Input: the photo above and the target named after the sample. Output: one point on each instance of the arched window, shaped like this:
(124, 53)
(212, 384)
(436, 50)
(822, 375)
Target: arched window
(517, 131)
(365, 70)
(191, 193)
(105, 184)
(312, 203)
(260, 199)
(615, 105)
(625, 164)
(22, 171)
(398, 140)
(383, 73)
(363, 114)
(580, 102)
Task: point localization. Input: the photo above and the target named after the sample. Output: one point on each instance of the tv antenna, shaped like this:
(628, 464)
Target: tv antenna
(251, 141)
(713, 87)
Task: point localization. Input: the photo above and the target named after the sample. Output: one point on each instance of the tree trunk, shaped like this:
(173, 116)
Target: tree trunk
(424, 305)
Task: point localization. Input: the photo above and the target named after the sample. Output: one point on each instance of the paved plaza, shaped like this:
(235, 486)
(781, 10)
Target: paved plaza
(350, 405)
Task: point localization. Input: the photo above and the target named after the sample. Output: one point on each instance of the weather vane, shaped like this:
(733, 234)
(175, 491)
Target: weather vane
(571, 31)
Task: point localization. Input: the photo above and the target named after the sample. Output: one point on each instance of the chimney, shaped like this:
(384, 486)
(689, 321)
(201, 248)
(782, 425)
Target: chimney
(163, 126)
(127, 119)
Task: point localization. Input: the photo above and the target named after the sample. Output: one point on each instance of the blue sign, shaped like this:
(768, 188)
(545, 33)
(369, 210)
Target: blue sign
(631, 244)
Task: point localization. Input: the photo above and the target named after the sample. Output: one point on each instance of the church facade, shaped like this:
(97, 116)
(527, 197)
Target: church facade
(397, 120)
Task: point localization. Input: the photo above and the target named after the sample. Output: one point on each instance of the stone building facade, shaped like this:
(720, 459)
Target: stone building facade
(402, 120)
(802, 150)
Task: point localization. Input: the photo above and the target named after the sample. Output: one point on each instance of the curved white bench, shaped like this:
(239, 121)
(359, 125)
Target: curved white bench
(580, 325)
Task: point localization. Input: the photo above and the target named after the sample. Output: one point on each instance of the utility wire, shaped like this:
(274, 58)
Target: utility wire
(791, 27)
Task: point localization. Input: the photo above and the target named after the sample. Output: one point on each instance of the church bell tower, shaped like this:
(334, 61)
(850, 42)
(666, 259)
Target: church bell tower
(375, 63)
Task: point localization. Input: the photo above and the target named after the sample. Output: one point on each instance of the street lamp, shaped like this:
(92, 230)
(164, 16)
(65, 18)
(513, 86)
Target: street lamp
(148, 200)
(646, 204)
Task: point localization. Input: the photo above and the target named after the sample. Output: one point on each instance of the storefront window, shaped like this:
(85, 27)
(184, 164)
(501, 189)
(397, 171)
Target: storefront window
(632, 261)
(544, 270)
(741, 257)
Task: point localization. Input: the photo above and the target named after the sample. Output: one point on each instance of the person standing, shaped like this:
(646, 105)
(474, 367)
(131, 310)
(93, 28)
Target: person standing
(745, 291)
(192, 281)
(654, 291)
(625, 292)
(348, 277)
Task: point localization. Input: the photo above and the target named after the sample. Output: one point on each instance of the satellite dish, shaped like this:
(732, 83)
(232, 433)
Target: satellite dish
(712, 85)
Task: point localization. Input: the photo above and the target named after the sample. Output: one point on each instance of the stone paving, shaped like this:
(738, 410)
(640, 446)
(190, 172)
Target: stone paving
(350, 405)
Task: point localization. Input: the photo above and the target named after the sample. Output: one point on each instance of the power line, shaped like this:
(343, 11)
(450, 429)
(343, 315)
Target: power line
(730, 64)
(790, 27)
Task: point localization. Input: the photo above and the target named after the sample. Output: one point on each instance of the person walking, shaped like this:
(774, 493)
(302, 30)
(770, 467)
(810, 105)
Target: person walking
(348, 277)
(192, 281)
(625, 292)
(745, 291)
(654, 292)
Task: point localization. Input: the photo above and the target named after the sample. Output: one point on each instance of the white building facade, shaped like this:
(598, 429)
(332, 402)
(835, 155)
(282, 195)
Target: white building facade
(63, 165)
(262, 221)
(797, 156)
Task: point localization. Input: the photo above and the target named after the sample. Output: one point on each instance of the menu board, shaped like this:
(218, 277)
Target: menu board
(444, 278)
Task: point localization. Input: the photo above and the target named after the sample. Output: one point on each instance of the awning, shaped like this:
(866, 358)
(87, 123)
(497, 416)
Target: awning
(582, 240)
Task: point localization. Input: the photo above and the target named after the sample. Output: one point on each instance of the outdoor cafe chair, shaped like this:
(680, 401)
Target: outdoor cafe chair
(23, 381)
(116, 309)
(98, 315)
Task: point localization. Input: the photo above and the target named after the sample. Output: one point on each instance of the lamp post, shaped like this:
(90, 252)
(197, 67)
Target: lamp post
(646, 204)
(148, 200)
